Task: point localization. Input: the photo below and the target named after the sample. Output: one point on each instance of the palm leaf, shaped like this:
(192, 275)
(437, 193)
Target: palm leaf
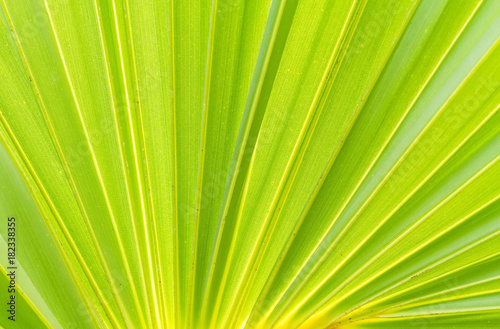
(251, 164)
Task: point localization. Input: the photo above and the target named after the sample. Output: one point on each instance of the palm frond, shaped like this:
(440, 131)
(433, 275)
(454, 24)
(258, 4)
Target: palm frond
(251, 164)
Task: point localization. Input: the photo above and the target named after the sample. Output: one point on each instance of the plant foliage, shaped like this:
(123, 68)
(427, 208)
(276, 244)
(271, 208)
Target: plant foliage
(251, 163)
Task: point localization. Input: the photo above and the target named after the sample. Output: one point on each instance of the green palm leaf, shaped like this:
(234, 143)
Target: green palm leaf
(251, 164)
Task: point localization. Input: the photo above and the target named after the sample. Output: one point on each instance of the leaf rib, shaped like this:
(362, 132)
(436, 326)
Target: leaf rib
(96, 166)
(141, 170)
(251, 120)
(174, 201)
(201, 158)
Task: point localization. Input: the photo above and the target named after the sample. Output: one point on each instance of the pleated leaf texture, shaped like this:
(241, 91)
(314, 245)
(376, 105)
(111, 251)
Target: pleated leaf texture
(250, 164)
